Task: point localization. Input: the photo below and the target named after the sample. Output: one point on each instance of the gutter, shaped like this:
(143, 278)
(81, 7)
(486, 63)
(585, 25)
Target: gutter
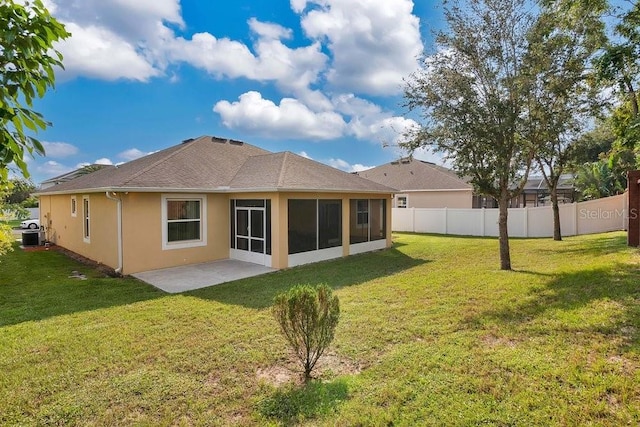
(216, 190)
(119, 221)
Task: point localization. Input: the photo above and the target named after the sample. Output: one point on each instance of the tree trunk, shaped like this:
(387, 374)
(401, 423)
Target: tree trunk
(557, 235)
(505, 256)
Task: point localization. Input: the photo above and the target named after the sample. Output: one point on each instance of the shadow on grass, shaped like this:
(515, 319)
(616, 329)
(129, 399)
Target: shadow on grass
(258, 292)
(576, 290)
(295, 404)
(604, 244)
(36, 286)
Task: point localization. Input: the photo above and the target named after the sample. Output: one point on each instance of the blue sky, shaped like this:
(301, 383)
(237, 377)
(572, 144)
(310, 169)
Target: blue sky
(321, 78)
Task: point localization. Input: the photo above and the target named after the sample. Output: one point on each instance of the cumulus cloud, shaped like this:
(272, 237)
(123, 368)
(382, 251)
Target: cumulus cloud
(369, 122)
(116, 39)
(290, 119)
(103, 161)
(374, 44)
(132, 154)
(59, 150)
(292, 69)
(51, 168)
(346, 166)
(346, 115)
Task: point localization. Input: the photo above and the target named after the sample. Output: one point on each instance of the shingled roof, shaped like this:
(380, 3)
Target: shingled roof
(211, 164)
(409, 174)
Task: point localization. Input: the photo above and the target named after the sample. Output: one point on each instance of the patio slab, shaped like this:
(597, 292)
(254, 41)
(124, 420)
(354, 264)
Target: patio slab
(196, 276)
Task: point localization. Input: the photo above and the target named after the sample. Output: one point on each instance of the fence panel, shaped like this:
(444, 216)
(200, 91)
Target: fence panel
(596, 216)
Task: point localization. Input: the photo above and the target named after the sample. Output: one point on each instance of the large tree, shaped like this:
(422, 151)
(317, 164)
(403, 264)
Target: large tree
(28, 33)
(471, 96)
(566, 36)
(620, 64)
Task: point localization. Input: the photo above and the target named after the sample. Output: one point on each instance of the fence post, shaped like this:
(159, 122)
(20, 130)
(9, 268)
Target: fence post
(575, 218)
(446, 221)
(482, 219)
(526, 221)
(413, 220)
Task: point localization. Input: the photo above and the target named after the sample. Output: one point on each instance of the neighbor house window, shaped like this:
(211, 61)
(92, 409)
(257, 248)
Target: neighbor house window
(368, 220)
(314, 224)
(401, 201)
(183, 221)
(74, 206)
(86, 221)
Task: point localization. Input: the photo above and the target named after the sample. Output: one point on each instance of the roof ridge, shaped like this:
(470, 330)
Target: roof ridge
(180, 149)
(282, 168)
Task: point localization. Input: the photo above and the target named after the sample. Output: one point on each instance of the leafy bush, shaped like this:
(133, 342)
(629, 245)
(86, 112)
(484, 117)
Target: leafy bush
(308, 318)
(6, 237)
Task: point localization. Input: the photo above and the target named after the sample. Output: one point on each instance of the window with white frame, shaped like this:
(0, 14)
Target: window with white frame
(86, 221)
(183, 221)
(74, 206)
(401, 201)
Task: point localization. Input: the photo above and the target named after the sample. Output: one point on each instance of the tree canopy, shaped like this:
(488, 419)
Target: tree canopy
(471, 96)
(28, 33)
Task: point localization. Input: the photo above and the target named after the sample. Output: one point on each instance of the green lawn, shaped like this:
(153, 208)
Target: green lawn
(431, 333)
(13, 223)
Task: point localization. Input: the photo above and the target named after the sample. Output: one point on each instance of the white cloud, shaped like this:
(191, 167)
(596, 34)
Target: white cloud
(291, 69)
(132, 154)
(103, 161)
(290, 119)
(346, 166)
(375, 44)
(269, 30)
(345, 115)
(59, 150)
(369, 122)
(116, 39)
(99, 53)
(52, 168)
(305, 155)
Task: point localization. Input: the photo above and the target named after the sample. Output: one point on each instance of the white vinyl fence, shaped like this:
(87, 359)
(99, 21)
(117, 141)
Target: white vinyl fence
(595, 216)
(34, 213)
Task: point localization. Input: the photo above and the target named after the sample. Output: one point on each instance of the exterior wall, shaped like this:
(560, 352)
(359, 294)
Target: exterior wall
(63, 229)
(596, 216)
(438, 199)
(142, 234)
(142, 225)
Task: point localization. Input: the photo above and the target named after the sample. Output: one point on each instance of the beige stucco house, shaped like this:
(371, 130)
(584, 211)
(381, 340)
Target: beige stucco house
(210, 199)
(422, 184)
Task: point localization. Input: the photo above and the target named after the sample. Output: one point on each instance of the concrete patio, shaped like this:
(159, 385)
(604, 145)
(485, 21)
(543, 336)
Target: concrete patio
(196, 276)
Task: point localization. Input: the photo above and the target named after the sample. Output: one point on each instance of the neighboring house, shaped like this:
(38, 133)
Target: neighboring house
(71, 175)
(536, 192)
(422, 184)
(210, 199)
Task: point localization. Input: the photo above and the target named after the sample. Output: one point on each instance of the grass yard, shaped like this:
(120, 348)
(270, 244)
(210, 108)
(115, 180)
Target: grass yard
(13, 223)
(431, 333)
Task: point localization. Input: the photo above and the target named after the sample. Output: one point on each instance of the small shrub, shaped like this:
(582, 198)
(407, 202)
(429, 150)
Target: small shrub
(308, 318)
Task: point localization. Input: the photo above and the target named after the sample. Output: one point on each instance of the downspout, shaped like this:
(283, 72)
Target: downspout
(119, 221)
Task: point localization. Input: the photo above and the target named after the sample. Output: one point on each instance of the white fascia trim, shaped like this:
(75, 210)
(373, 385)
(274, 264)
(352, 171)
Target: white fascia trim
(203, 221)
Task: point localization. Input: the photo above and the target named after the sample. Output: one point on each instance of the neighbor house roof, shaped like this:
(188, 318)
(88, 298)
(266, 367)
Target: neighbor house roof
(409, 174)
(535, 183)
(72, 175)
(212, 164)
